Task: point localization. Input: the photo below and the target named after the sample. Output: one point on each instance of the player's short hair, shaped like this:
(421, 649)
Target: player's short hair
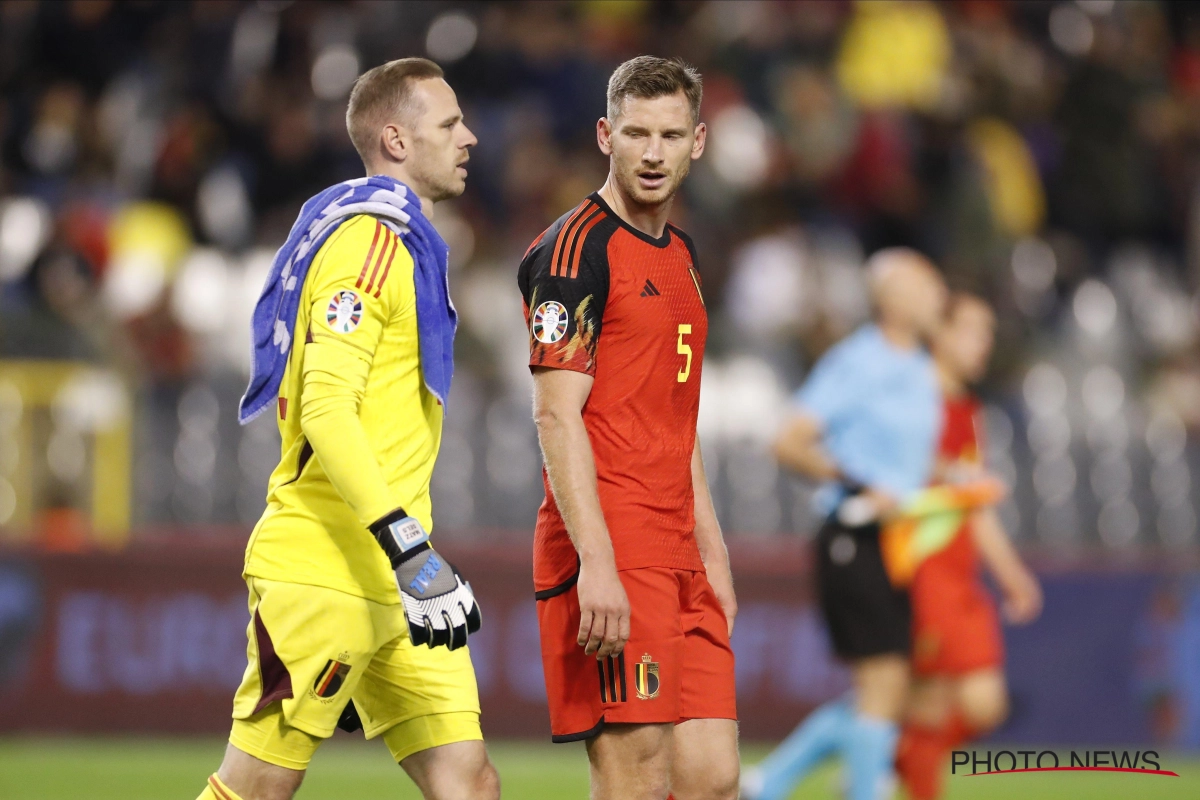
(882, 262)
(649, 77)
(381, 95)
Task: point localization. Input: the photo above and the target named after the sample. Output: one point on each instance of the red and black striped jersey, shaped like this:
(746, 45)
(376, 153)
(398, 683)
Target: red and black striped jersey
(605, 299)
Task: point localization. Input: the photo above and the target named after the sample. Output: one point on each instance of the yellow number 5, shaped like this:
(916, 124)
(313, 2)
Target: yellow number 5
(684, 349)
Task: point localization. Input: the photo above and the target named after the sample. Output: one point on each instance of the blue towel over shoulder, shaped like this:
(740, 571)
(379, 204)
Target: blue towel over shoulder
(274, 318)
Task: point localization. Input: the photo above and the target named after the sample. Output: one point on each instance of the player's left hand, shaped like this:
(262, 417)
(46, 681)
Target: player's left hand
(439, 605)
(721, 580)
(1022, 597)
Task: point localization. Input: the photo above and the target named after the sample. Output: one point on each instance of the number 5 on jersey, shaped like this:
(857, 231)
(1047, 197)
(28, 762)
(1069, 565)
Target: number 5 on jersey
(684, 349)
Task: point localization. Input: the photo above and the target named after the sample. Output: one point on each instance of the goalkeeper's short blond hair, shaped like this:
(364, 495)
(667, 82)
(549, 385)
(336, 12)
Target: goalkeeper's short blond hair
(384, 95)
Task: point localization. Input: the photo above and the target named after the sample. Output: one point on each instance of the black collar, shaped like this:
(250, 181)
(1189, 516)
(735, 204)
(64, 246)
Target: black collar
(661, 241)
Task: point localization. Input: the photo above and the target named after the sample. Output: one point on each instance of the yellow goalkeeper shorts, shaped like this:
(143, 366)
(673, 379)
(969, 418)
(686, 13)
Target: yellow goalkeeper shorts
(312, 649)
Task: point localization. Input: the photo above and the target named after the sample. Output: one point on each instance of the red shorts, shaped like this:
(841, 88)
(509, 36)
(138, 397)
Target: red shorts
(676, 666)
(955, 626)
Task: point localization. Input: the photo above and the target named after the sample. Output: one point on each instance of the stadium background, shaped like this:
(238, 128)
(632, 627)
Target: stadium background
(153, 155)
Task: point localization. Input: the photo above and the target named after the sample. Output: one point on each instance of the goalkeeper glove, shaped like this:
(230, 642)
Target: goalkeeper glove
(438, 603)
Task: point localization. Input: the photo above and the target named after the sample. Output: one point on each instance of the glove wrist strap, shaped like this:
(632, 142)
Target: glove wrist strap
(401, 536)
(409, 555)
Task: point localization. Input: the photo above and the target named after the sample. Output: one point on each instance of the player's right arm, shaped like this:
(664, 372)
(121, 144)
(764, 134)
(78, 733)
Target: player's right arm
(346, 325)
(565, 291)
(558, 399)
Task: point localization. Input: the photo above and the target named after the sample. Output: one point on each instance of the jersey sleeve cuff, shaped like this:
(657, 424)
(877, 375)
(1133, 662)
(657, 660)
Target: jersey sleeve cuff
(580, 368)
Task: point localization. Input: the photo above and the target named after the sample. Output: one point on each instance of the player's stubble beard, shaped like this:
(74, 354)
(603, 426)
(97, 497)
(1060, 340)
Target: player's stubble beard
(438, 173)
(627, 180)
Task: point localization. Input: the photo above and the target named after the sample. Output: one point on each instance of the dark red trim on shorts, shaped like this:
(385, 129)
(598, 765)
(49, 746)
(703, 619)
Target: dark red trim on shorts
(579, 737)
(217, 790)
(306, 454)
(276, 681)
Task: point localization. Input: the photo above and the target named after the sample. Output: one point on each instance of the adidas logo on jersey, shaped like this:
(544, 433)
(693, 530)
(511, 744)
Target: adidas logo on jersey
(650, 290)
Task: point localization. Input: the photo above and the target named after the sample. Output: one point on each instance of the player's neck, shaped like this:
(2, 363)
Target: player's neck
(397, 172)
(951, 385)
(650, 220)
(901, 337)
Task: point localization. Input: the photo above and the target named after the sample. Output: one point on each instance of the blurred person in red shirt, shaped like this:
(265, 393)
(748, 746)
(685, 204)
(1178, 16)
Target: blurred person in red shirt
(959, 691)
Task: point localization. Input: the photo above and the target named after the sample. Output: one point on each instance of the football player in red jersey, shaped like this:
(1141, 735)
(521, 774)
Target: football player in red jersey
(958, 656)
(634, 595)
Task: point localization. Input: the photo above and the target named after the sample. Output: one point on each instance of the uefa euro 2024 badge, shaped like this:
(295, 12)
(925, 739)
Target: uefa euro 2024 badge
(344, 312)
(549, 322)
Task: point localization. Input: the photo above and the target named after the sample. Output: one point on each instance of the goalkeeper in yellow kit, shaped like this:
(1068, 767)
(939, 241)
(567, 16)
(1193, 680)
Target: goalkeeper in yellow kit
(355, 619)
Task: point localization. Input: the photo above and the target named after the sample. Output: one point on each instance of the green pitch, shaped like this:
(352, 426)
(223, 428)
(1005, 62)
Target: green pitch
(175, 769)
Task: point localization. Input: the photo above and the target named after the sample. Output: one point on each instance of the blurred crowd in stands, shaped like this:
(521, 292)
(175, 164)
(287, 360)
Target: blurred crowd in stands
(1045, 154)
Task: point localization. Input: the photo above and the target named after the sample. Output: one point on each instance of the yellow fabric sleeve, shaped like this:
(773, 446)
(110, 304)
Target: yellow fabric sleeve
(333, 389)
(337, 365)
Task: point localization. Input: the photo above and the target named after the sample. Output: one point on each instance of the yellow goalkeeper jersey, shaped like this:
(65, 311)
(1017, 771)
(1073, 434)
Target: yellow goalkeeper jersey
(360, 429)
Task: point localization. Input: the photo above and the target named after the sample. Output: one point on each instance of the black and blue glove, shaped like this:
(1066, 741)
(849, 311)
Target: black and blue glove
(439, 605)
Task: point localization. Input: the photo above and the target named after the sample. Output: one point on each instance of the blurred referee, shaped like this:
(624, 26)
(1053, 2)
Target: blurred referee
(865, 425)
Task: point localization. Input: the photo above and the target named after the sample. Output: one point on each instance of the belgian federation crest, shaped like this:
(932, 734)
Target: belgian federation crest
(344, 311)
(331, 678)
(645, 678)
(549, 322)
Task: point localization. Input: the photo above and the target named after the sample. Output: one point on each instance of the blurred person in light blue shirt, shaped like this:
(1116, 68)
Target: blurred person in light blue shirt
(865, 425)
(879, 410)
